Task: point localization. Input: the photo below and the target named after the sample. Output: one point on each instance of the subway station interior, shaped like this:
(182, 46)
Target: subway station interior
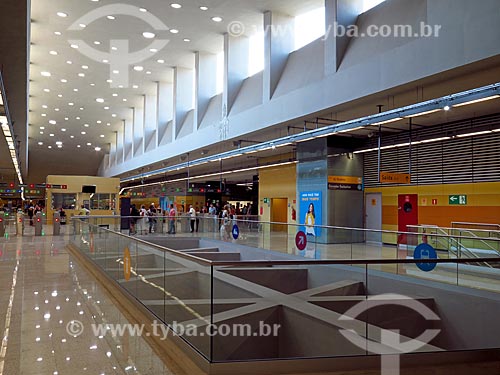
(249, 187)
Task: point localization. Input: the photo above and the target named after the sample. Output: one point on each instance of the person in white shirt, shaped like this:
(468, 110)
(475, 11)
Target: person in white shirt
(192, 215)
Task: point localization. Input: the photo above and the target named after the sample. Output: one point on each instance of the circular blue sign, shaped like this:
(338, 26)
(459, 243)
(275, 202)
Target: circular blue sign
(425, 251)
(236, 232)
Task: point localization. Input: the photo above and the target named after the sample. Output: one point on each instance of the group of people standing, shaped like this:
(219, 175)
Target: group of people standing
(143, 220)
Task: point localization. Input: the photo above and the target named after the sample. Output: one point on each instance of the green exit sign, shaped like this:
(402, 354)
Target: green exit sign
(458, 200)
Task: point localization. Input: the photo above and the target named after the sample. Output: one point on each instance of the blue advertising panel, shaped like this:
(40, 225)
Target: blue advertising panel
(310, 211)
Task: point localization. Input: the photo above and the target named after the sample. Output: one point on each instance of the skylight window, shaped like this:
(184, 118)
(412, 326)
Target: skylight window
(309, 27)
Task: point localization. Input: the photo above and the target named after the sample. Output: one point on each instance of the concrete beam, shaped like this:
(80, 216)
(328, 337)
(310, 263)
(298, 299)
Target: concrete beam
(338, 13)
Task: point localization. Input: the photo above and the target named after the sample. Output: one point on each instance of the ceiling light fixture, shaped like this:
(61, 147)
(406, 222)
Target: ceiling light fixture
(148, 35)
(217, 19)
(62, 14)
(176, 6)
(138, 68)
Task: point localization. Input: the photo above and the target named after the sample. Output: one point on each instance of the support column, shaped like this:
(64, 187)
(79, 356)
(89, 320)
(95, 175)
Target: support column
(138, 129)
(183, 97)
(279, 41)
(236, 52)
(206, 84)
(165, 108)
(150, 122)
(128, 139)
(112, 152)
(338, 13)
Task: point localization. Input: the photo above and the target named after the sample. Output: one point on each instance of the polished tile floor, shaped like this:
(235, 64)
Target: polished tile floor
(43, 291)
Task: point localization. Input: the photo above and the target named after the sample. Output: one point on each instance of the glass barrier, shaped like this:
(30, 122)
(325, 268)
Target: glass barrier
(302, 308)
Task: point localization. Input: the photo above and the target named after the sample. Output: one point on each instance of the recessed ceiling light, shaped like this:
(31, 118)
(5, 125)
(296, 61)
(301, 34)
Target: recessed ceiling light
(62, 14)
(81, 108)
(217, 19)
(64, 80)
(49, 147)
(109, 81)
(75, 46)
(46, 74)
(40, 143)
(63, 129)
(82, 25)
(92, 84)
(85, 67)
(144, 10)
(135, 86)
(71, 104)
(58, 33)
(124, 100)
(77, 118)
(160, 61)
(187, 40)
(176, 6)
(114, 115)
(96, 42)
(116, 71)
(46, 90)
(60, 146)
(42, 127)
(153, 50)
(98, 149)
(148, 72)
(114, 48)
(120, 86)
(138, 68)
(89, 144)
(174, 31)
(66, 118)
(78, 146)
(83, 133)
(99, 122)
(105, 61)
(110, 17)
(75, 90)
(86, 125)
(106, 108)
(115, 94)
(102, 135)
(108, 124)
(59, 96)
(44, 115)
(69, 62)
(53, 53)
(56, 109)
(58, 143)
(44, 106)
(51, 135)
(72, 136)
(99, 100)
(41, 133)
(203, 8)
(81, 75)
(52, 122)
(148, 35)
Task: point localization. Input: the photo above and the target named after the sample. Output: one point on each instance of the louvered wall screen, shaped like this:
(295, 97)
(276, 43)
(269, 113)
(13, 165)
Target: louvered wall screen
(453, 161)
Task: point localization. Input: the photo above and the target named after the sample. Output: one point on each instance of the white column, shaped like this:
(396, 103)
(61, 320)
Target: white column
(236, 52)
(165, 106)
(150, 122)
(279, 41)
(183, 97)
(128, 139)
(206, 84)
(138, 129)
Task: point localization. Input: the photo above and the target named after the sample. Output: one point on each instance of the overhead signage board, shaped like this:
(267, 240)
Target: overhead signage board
(395, 178)
(345, 183)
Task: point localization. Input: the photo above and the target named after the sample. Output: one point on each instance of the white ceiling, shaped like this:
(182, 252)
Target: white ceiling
(65, 105)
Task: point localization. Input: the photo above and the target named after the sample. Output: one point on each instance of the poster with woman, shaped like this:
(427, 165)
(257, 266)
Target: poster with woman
(310, 212)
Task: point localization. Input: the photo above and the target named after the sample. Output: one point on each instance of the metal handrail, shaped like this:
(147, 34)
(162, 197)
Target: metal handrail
(211, 217)
(293, 261)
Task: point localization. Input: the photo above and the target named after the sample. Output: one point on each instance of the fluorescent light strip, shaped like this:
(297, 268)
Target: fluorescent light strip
(211, 175)
(388, 121)
(477, 101)
(424, 113)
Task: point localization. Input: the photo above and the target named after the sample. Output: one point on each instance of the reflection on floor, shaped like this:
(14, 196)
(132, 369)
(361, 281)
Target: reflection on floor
(43, 290)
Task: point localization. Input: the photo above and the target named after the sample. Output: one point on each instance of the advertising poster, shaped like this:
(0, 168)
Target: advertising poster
(310, 213)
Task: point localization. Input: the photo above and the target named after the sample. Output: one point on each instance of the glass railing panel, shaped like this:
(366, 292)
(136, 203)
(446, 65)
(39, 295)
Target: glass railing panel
(285, 311)
(484, 275)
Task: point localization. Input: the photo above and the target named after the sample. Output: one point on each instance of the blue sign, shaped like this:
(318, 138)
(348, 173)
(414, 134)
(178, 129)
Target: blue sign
(310, 211)
(425, 251)
(236, 232)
